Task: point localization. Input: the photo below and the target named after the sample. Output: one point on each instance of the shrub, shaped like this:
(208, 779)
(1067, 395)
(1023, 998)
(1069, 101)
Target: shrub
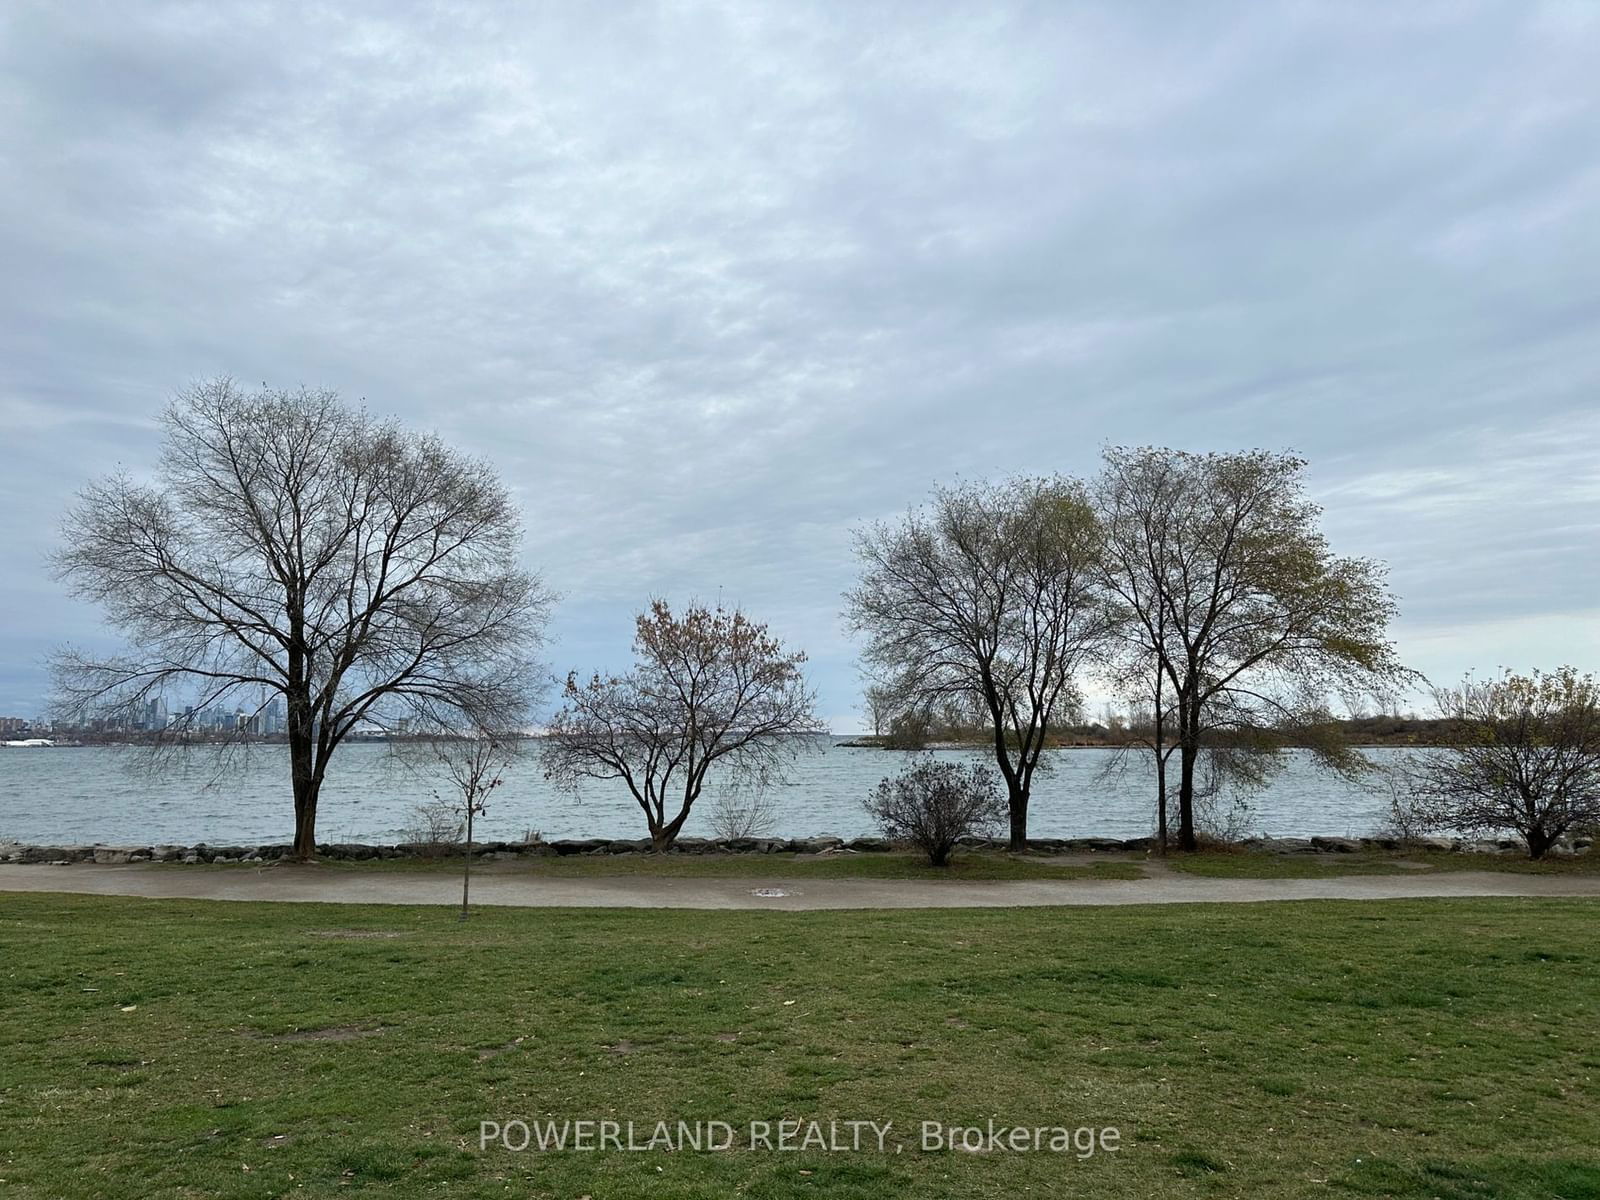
(908, 731)
(436, 828)
(934, 804)
(743, 813)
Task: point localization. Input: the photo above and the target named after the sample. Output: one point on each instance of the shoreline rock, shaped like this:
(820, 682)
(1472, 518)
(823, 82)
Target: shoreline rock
(127, 854)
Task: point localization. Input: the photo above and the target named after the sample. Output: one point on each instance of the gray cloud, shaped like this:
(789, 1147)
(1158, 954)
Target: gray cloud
(711, 283)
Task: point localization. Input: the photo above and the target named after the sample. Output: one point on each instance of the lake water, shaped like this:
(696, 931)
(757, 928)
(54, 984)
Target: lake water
(102, 794)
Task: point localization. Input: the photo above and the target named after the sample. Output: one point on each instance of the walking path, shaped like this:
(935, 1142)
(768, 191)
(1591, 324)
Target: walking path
(432, 887)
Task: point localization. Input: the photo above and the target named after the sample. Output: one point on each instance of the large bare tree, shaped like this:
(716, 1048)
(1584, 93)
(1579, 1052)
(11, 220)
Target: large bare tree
(709, 690)
(1237, 624)
(1518, 752)
(987, 599)
(292, 545)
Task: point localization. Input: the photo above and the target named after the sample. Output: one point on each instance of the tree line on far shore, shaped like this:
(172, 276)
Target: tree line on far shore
(296, 547)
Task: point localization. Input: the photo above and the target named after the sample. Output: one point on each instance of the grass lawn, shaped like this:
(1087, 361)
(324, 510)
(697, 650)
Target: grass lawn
(1415, 1049)
(1243, 864)
(880, 865)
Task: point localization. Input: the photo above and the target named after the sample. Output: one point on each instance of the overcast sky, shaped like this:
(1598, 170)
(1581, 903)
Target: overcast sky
(712, 283)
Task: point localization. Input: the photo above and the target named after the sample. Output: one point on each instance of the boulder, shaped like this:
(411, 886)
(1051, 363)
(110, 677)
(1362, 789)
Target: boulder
(870, 845)
(566, 846)
(813, 845)
(1285, 845)
(112, 855)
(1094, 843)
(351, 851)
(1335, 845)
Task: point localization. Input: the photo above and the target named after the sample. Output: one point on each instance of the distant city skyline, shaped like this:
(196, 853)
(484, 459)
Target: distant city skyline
(710, 287)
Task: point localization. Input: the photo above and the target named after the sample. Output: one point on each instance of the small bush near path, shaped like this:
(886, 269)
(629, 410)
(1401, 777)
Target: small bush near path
(933, 805)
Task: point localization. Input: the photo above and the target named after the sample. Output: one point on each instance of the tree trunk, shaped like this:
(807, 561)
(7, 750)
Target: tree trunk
(1187, 755)
(306, 787)
(302, 759)
(466, 862)
(662, 836)
(1539, 842)
(1161, 802)
(1018, 800)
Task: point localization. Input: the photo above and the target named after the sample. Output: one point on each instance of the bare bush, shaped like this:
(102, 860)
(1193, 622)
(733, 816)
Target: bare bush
(435, 828)
(744, 813)
(1403, 820)
(933, 805)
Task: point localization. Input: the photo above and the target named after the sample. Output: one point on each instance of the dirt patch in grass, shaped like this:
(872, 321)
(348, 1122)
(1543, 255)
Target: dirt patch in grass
(492, 1052)
(333, 1033)
(358, 935)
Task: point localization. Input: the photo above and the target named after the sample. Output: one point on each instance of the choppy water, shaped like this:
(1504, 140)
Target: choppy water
(100, 794)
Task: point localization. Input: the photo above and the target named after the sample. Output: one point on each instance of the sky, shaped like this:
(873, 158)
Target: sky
(712, 284)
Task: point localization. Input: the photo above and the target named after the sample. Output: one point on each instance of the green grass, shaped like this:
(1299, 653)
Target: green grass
(968, 865)
(1411, 1049)
(883, 865)
(1244, 864)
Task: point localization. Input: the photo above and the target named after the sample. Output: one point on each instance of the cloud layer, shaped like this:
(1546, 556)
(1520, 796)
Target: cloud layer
(711, 283)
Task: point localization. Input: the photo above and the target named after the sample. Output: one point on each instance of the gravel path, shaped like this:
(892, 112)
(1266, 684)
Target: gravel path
(397, 887)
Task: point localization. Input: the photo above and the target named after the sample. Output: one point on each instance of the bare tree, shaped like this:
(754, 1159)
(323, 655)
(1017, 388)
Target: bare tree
(933, 805)
(1236, 621)
(1519, 752)
(293, 545)
(1149, 732)
(708, 690)
(881, 707)
(988, 598)
(473, 764)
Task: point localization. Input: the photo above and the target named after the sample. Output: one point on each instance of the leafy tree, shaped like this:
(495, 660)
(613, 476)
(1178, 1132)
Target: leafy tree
(710, 689)
(1237, 624)
(294, 546)
(987, 600)
(1520, 752)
